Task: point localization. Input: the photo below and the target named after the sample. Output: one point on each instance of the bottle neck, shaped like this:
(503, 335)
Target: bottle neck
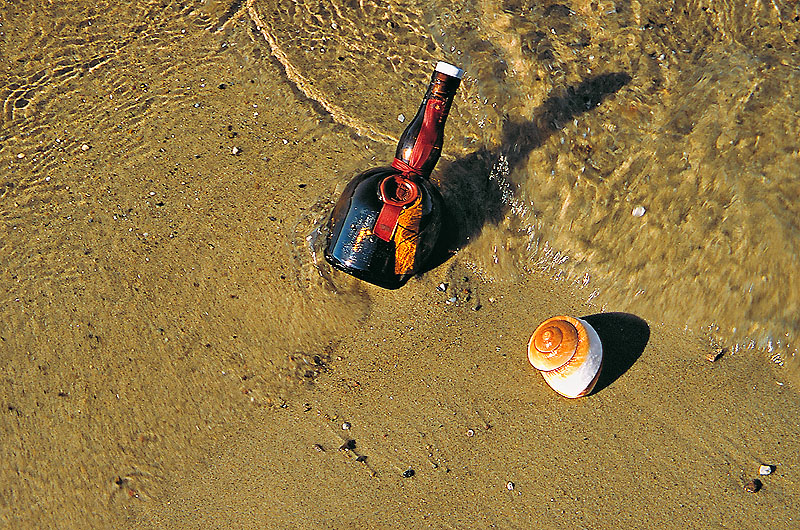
(421, 143)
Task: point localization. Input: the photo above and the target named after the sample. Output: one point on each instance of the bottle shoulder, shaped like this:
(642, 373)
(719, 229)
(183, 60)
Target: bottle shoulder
(363, 192)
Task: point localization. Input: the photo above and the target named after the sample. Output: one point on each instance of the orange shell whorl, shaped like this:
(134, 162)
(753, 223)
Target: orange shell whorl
(555, 342)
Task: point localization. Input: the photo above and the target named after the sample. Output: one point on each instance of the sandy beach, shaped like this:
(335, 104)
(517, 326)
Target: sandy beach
(172, 358)
(448, 393)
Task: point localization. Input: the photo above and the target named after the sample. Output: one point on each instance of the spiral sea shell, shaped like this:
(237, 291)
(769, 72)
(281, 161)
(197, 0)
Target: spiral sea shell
(568, 353)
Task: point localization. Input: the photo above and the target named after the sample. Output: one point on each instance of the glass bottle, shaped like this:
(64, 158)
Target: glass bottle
(386, 223)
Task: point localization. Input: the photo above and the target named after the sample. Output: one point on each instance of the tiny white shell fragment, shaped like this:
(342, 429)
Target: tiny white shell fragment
(401, 118)
(510, 486)
(638, 211)
(764, 470)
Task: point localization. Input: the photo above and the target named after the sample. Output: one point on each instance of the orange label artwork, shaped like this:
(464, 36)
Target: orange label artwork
(405, 238)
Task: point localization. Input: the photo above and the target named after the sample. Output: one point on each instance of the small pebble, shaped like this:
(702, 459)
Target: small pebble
(442, 287)
(235, 151)
(765, 470)
(85, 147)
(345, 426)
(638, 211)
(318, 448)
(452, 300)
(715, 354)
(21, 155)
(510, 486)
(408, 473)
(401, 118)
(753, 486)
(470, 433)
(349, 445)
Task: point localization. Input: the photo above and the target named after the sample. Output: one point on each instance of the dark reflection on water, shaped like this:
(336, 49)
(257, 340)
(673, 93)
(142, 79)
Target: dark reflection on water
(624, 337)
(473, 197)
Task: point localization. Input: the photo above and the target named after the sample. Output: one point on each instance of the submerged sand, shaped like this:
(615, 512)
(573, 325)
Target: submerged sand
(171, 358)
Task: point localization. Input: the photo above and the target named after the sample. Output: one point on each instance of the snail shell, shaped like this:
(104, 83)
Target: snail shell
(568, 353)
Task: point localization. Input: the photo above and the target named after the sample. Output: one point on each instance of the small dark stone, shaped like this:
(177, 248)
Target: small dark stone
(715, 354)
(223, 86)
(753, 486)
(318, 448)
(408, 473)
(349, 445)
(361, 458)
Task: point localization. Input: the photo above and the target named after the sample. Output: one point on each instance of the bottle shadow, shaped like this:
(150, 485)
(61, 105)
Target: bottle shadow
(624, 337)
(474, 196)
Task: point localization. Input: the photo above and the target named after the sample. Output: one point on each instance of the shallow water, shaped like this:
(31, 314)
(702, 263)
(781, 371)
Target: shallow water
(582, 113)
(158, 286)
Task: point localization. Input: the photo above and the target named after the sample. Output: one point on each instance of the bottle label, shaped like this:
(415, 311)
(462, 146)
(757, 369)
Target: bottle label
(406, 238)
(396, 192)
(435, 114)
(399, 219)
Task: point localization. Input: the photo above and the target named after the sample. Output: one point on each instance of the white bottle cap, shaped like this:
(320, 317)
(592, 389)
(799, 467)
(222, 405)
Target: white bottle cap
(449, 69)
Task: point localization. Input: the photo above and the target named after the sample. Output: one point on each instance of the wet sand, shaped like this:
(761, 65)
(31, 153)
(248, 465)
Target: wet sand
(172, 360)
(448, 393)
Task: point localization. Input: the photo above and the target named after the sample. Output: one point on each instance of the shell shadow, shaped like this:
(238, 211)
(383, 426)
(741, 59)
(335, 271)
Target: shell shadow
(475, 195)
(624, 337)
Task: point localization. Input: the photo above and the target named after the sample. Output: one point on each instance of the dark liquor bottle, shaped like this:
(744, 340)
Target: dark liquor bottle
(386, 223)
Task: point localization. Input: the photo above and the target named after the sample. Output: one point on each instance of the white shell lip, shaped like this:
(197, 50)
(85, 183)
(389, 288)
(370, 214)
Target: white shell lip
(573, 381)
